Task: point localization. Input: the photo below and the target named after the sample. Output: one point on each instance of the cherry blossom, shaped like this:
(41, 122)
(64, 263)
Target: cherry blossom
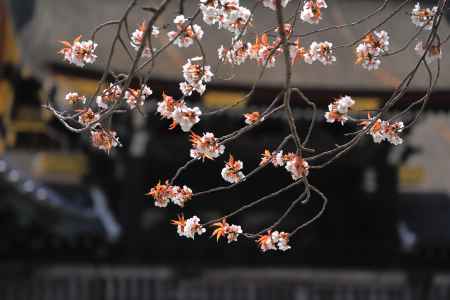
(179, 112)
(296, 52)
(297, 166)
(73, 98)
(322, 52)
(193, 227)
(252, 118)
(432, 55)
(423, 17)
(338, 110)
(373, 46)
(109, 96)
(232, 232)
(237, 55)
(311, 12)
(232, 170)
(87, 116)
(138, 36)
(164, 193)
(276, 158)
(79, 52)
(384, 130)
(137, 97)
(206, 146)
(185, 34)
(272, 3)
(196, 76)
(104, 139)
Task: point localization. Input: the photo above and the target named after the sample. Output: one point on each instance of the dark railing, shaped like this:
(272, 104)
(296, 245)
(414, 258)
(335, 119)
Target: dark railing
(123, 283)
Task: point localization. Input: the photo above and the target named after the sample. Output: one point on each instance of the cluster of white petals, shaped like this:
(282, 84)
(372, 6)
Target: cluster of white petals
(185, 34)
(236, 55)
(423, 17)
(231, 232)
(384, 130)
(338, 110)
(196, 76)
(179, 113)
(276, 158)
(232, 171)
(74, 97)
(137, 97)
(192, 227)
(373, 46)
(433, 54)
(311, 11)
(272, 3)
(79, 52)
(88, 117)
(206, 146)
(227, 14)
(297, 166)
(274, 241)
(138, 36)
(165, 193)
(322, 52)
(104, 139)
(109, 96)
(264, 51)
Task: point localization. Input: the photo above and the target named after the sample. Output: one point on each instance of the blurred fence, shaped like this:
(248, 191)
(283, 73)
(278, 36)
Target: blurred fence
(122, 283)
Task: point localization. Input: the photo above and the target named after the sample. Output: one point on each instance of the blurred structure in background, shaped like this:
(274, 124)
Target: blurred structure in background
(63, 202)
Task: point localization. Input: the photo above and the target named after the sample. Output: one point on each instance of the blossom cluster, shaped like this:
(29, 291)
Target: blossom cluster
(293, 163)
(423, 17)
(434, 53)
(179, 113)
(206, 146)
(232, 170)
(338, 110)
(104, 139)
(272, 3)
(185, 34)
(322, 52)
(190, 227)
(385, 130)
(196, 76)
(311, 11)
(109, 96)
(165, 193)
(79, 52)
(74, 97)
(236, 55)
(253, 117)
(274, 241)
(372, 47)
(138, 36)
(136, 97)
(231, 232)
(227, 14)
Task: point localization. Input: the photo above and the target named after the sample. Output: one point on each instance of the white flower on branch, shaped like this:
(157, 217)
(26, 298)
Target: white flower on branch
(373, 46)
(311, 11)
(79, 52)
(272, 3)
(423, 17)
(138, 36)
(179, 112)
(232, 170)
(433, 54)
(339, 109)
(206, 146)
(196, 76)
(87, 117)
(164, 193)
(322, 52)
(237, 55)
(384, 130)
(109, 96)
(232, 232)
(188, 228)
(73, 98)
(104, 139)
(185, 34)
(137, 97)
(296, 165)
